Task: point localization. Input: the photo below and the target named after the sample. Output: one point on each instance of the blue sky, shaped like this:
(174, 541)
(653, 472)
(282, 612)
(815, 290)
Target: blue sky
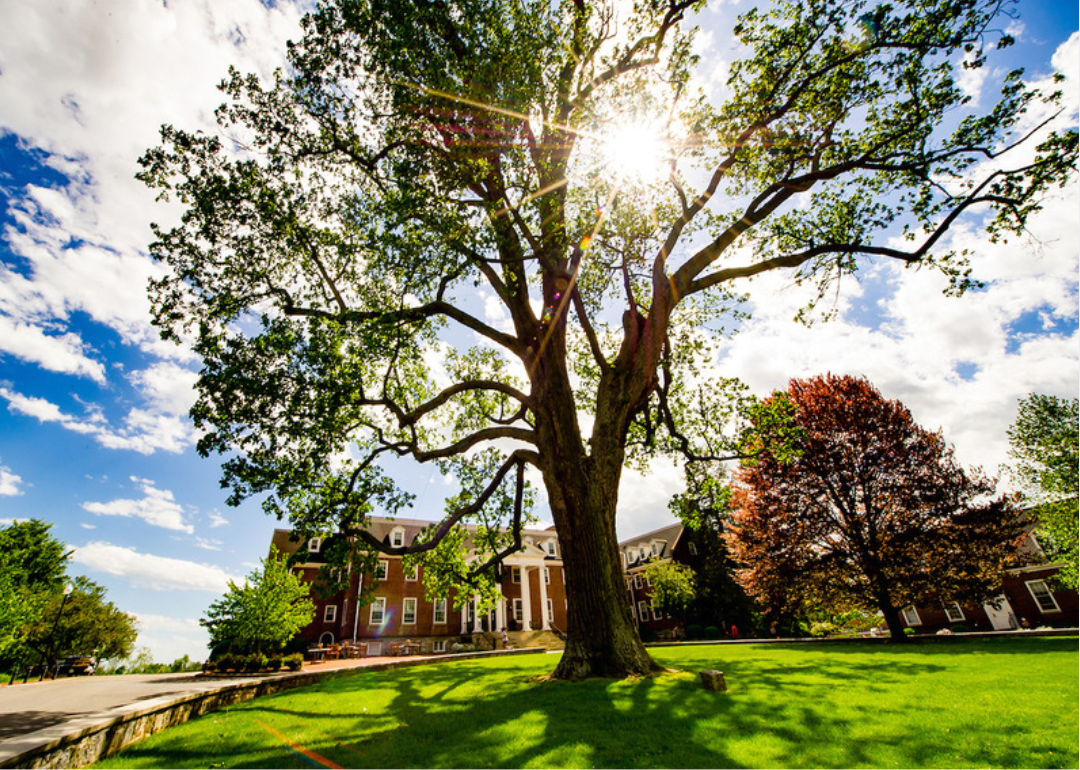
(93, 432)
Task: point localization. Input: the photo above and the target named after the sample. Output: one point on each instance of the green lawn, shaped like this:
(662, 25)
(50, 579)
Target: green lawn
(971, 703)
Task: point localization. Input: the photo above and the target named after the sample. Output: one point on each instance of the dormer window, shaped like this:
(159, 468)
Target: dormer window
(641, 553)
(551, 548)
(657, 547)
(397, 537)
(314, 545)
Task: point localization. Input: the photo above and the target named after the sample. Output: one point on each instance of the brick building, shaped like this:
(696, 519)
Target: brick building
(533, 594)
(671, 543)
(1029, 599)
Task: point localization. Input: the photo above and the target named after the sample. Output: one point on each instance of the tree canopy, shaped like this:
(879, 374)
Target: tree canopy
(39, 622)
(264, 613)
(420, 240)
(1044, 442)
(873, 512)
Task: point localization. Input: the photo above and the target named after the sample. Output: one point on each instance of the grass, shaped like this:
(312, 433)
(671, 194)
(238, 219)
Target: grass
(1007, 702)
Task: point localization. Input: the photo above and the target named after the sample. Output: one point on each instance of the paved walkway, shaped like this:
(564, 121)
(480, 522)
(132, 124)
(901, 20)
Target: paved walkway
(27, 708)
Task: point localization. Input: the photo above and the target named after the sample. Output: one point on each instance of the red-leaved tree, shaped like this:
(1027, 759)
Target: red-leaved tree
(866, 509)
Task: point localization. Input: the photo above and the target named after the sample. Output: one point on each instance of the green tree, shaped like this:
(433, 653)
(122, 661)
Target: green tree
(872, 512)
(83, 622)
(1043, 441)
(719, 600)
(32, 568)
(262, 614)
(672, 587)
(420, 163)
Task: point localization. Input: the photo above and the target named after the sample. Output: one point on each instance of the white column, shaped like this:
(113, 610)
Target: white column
(500, 612)
(544, 624)
(476, 615)
(526, 600)
(464, 617)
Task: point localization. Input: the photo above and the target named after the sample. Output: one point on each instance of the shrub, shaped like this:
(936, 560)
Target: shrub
(228, 662)
(959, 628)
(273, 662)
(294, 662)
(254, 662)
(712, 632)
(694, 631)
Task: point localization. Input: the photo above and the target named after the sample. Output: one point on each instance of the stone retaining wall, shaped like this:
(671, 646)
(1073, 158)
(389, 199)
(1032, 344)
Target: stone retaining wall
(81, 742)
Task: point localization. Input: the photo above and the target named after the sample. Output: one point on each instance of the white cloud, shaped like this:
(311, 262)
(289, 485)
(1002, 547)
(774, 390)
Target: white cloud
(10, 483)
(143, 431)
(159, 573)
(63, 353)
(217, 520)
(171, 638)
(158, 507)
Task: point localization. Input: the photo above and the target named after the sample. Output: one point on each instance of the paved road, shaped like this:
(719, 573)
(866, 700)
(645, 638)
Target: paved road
(25, 708)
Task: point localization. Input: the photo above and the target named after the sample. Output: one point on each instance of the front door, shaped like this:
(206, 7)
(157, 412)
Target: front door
(1000, 613)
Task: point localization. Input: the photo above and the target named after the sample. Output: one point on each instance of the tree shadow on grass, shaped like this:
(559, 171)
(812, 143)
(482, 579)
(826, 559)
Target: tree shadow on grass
(829, 710)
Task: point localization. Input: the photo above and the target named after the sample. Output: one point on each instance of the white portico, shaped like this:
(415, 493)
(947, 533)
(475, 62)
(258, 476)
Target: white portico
(530, 561)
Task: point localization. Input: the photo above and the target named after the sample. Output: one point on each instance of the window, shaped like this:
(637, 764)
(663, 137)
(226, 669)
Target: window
(551, 548)
(326, 639)
(648, 582)
(911, 616)
(329, 614)
(314, 545)
(656, 614)
(382, 570)
(655, 548)
(641, 553)
(637, 580)
(1040, 592)
(551, 611)
(397, 538)
(953, 612)
(643, 611)
(439, 645)
(412, 572)
(519, 616)
(408, 611)
(692, 547)
(378, 611)
(440, 612)
(547, 576)
(515, 574)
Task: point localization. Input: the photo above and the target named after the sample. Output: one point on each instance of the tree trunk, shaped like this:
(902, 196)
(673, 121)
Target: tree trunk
(893, 621)
(601, 638)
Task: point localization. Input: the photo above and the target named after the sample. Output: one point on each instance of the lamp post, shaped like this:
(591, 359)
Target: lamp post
(68, 588)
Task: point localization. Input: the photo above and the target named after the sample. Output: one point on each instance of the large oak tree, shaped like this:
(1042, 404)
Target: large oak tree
(865, 510)
(421, 241)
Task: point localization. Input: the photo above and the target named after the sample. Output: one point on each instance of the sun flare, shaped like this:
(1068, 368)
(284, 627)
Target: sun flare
(636, 152)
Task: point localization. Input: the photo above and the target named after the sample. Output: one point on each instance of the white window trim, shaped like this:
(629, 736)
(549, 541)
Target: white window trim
(438, 606)
(314, 545)
(439, 645)
(547, 576)
(637, 580)
(690, 546)
(643, 610)
(329, 614)
(405, 621)
(655, 614)
(909, 612)
(951, 609)
(382, 571)
(519, 614)
(378, 604)
(397, 537)
(552, 549)
(413, 574)
(515, 574)
(1049, 595)
(550, 611)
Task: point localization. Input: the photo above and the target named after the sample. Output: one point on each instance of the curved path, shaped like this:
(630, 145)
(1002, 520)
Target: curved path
(57, 706)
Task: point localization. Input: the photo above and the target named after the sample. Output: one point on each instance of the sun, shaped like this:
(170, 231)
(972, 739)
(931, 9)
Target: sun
(636, 152)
